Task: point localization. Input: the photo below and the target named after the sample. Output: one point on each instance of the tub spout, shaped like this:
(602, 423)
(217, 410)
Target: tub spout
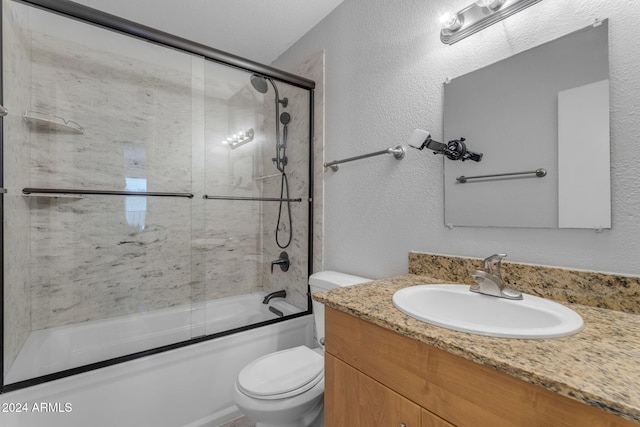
(276, 294)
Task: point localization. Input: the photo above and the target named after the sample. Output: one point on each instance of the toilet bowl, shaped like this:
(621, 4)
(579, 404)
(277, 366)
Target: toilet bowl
(286, 388)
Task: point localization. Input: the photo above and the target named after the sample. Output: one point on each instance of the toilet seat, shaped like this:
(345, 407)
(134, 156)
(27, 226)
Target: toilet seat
(282, 374)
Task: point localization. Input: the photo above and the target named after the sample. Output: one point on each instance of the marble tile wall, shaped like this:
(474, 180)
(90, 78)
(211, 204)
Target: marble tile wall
(17, 295)
(313, 69)
(232, 228)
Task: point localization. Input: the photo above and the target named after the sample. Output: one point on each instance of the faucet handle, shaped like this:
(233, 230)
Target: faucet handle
(492, 263)
(283, 262)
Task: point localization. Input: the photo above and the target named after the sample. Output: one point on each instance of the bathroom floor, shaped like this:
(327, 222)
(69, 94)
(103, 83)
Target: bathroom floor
(240, 422)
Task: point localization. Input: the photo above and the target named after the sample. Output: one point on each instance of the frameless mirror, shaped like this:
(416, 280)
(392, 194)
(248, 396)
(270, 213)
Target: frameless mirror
(541, 120)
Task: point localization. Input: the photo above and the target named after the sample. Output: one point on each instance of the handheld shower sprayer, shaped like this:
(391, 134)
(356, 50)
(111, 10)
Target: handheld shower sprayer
(454, 150)
(285, 118)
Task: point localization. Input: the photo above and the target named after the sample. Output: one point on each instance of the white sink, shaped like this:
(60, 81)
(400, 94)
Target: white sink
(456, 307)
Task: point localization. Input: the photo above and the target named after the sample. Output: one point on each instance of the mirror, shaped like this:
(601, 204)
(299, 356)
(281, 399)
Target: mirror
(545, 108)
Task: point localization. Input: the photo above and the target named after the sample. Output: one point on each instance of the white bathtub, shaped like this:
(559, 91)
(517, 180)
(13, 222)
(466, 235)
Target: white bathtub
(189, 386)
(56, 349)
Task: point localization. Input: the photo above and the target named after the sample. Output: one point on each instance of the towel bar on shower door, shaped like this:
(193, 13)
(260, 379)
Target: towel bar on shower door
(253, 199)
(53, 191)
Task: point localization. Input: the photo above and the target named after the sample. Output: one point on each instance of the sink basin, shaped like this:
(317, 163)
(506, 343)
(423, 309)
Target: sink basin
(455, 307)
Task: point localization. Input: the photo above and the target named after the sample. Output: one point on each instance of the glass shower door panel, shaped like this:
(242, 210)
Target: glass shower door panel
(239, 225)
(276, 229)
(90, 277)
(230, 248)
(102, 286)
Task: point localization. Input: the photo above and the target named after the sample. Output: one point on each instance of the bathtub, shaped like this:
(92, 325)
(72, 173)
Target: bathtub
(187, 387)
(56, 349)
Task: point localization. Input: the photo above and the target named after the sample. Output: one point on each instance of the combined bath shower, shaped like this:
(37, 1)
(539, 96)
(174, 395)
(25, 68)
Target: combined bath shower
(259, 83)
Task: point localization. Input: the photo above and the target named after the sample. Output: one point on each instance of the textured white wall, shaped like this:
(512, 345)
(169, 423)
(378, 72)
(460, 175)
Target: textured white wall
(385, 66)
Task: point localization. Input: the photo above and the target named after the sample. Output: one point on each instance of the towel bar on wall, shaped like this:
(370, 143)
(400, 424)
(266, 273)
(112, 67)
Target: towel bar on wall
(398, 152)
(538, 172)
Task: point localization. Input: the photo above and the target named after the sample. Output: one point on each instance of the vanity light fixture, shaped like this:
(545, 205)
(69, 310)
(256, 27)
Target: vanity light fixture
(238, 139)
(478, 16)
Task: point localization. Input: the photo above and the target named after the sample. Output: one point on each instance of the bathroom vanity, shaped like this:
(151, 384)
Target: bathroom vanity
(384, 368)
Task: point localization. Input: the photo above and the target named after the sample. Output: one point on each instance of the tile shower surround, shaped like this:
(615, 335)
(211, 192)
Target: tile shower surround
(17, 297)
(177, 251)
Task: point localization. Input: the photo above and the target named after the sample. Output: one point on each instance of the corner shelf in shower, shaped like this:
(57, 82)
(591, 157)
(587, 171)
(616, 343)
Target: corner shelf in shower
(49, 122)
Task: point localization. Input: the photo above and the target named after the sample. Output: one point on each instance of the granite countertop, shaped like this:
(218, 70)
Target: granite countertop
(599, 366)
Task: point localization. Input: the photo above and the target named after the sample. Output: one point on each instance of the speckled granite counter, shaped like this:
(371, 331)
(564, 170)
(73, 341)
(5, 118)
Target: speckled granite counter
(599, 366)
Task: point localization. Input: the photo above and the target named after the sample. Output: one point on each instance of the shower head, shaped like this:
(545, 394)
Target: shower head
(259, 83)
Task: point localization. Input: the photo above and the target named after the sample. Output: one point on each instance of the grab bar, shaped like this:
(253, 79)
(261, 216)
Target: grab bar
(102, 192)
(538, 172)
(254, 199)
(398, 152)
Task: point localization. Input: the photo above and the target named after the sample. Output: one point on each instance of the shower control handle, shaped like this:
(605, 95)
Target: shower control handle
(283, 262)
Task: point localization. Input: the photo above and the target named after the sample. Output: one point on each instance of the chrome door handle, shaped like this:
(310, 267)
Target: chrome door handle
(3, 111)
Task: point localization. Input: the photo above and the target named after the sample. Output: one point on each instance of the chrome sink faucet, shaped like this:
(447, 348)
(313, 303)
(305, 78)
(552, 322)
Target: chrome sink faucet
(489, 282)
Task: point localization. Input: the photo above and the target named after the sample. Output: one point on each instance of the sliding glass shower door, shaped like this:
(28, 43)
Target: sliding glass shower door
(137, 215)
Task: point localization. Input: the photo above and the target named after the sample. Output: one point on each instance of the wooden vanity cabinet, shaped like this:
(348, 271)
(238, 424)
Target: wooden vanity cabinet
(354, 399)
(357, 400)
(376, 377)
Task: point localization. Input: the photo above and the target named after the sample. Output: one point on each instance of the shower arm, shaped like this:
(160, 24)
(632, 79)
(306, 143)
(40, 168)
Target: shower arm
(284, 101)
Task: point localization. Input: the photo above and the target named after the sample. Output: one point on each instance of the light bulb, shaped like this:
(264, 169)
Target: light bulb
(490, 4)
(451, 22)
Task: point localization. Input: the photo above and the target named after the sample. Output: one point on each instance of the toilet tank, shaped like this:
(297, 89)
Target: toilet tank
(326, 280)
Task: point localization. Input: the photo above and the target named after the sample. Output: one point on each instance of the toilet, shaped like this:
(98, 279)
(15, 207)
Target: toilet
(286, 388)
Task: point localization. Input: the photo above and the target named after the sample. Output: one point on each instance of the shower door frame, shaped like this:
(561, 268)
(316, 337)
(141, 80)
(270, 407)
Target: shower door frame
(105, 20)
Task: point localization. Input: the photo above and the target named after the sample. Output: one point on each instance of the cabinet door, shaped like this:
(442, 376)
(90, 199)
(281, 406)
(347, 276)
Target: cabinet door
(354, 399)
(429, 419)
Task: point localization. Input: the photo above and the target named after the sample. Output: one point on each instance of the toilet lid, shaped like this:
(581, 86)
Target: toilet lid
(282, 374)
